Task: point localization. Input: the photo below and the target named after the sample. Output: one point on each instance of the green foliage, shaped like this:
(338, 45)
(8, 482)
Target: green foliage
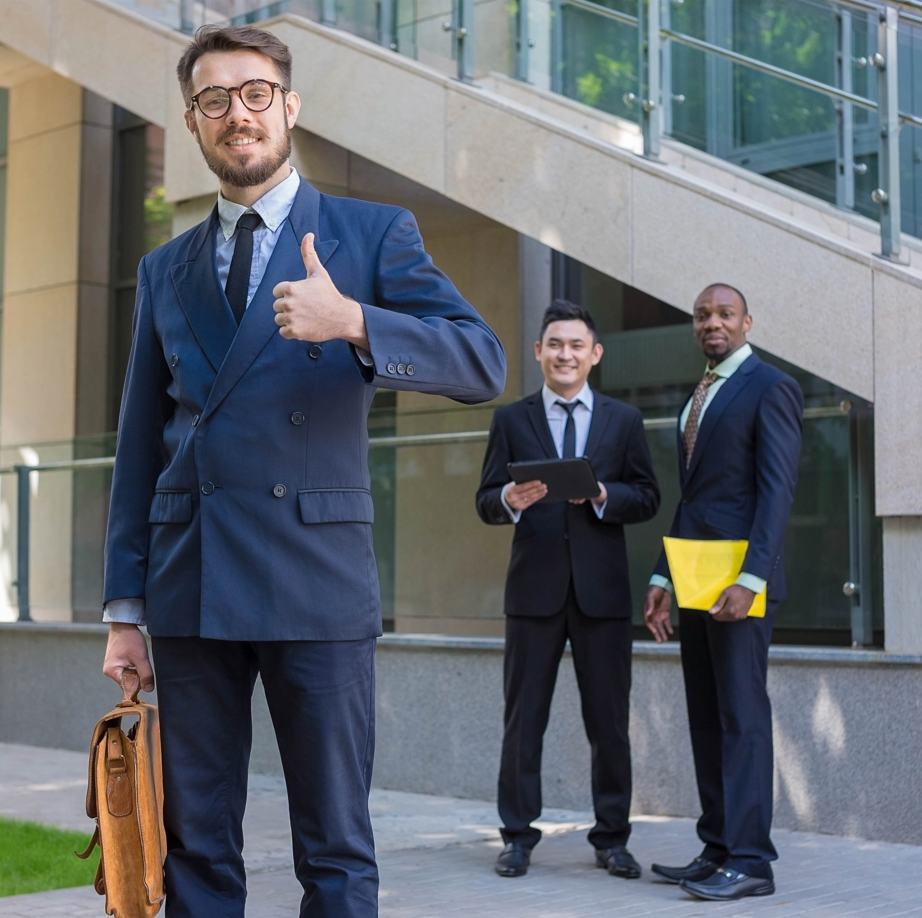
(158, 218)
(36, 858)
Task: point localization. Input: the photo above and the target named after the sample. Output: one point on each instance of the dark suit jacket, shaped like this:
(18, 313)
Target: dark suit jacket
(740, 484)
(556, 541)
(241, 507)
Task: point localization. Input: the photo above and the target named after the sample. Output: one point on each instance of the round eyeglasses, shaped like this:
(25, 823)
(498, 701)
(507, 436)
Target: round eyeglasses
(215, 101)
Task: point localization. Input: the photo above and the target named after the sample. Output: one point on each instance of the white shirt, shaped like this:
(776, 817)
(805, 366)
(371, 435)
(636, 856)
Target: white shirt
(557, 421)
(724, 370)
(274, 207)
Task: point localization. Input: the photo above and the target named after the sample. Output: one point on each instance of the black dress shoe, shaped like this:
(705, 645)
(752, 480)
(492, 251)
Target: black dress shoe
(513, 861)
(618, 861)
(726, 884)
(699, 869)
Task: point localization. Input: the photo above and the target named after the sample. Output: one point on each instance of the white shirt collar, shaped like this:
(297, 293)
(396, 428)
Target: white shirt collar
(273, 206)
(728, 367)
(550, 397)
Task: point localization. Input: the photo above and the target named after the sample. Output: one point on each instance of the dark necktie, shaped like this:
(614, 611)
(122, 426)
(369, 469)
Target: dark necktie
(569, 432)
(699, 397)
(238, 278)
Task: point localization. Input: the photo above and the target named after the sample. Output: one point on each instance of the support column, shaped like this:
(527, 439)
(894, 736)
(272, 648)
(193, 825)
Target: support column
(902, 600)
(40, 326)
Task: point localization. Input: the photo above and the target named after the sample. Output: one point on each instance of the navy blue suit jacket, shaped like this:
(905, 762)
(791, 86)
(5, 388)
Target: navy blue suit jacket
(241, 505)
(740, 483)
(557, 541)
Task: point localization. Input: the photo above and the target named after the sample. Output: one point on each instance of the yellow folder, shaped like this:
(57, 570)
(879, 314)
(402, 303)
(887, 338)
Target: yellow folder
(702, 570)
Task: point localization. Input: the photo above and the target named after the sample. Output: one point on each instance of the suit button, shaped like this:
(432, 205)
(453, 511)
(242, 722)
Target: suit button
(207, 488)
(392, 368)
(315, 351)
(685, 501)
(279, 490)
(174, 360)
(566, 536)
(401, 369)
(297, 418)
(410, 369)
(195, 421)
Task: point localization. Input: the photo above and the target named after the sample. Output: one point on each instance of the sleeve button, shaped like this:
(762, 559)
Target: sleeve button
(174, 360)
(392, 368)
(401, 369)
(279, 490)
(410, 369)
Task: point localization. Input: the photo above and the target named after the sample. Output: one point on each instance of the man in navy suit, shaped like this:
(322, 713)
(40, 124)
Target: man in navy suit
(739, 445)
(568, 579)
(240, 520)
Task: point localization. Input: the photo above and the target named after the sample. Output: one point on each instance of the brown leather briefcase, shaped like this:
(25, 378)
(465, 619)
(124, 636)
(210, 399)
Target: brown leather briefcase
(125, 797)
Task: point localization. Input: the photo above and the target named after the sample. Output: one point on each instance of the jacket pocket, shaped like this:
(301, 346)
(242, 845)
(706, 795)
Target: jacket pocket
(336, 505)
(171, 507)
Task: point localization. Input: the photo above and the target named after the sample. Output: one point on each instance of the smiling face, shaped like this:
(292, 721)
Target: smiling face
(720, 323)
(244, 149)
(567, 352)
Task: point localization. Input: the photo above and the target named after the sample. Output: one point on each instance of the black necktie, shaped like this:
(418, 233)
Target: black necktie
(238, 278)
(569, 432)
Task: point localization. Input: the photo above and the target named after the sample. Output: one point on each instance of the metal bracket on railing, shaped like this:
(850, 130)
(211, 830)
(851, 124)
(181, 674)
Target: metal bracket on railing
(462, 24)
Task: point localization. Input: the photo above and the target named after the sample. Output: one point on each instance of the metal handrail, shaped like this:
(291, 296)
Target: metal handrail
(23, 475)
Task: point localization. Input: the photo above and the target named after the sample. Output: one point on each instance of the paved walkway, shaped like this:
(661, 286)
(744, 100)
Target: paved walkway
(436, 856)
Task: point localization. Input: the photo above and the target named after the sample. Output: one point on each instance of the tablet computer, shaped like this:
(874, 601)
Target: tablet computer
(566, 479)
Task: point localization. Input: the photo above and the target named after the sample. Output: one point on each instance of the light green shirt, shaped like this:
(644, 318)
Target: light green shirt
(724, 370)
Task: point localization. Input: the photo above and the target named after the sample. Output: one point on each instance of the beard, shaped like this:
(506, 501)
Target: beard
(252, 172)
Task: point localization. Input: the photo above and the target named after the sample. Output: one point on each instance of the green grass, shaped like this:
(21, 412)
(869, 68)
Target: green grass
(36, 858)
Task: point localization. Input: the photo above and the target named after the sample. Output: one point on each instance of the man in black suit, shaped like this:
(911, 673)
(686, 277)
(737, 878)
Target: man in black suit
(567, 578)
(739, 445)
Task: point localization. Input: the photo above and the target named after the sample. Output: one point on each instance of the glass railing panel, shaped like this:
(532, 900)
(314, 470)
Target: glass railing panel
(597, 59)
(422, 36)
(494, 37)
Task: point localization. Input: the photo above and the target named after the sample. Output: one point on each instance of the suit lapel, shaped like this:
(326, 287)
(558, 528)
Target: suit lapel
(601, 416)
(201, 297)
(722, 398)
(258, 325)
(538, 418)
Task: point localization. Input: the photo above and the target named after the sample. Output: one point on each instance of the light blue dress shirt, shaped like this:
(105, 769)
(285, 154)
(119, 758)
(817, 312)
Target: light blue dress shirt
(724, 371)
(557, 422)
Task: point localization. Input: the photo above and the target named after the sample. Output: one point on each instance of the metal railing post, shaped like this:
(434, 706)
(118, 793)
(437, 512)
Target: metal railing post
(387, 24)
(860, 588)
(328, 12)
(887, 194)
(23, 507)
(522, 42)
(648, 32)
(845, 118)
(465, 36)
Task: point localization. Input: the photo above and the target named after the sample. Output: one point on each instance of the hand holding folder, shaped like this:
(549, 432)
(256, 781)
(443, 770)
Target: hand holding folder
(702, 569)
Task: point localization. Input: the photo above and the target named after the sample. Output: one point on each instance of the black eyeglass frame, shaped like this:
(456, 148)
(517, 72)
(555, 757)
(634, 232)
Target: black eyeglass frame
(230, 99)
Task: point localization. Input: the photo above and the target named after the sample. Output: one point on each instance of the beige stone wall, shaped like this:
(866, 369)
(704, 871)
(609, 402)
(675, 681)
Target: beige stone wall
(40, 320)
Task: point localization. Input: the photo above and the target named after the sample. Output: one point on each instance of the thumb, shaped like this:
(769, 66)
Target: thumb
(718, 606)
(312, 262)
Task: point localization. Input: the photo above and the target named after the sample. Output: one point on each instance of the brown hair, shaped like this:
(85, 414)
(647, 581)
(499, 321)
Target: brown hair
(210, 38)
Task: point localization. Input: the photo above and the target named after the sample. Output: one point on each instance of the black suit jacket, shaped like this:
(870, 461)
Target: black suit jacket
(555, 542)
(740, 484)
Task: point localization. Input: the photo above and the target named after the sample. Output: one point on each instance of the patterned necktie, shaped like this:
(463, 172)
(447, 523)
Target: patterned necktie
(569, 432)
(699, 397)
(238, 278)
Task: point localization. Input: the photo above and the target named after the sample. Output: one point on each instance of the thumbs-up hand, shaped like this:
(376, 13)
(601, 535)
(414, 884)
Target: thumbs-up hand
(313, 309)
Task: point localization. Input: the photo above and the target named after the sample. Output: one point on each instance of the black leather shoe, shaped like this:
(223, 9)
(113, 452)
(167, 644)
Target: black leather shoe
(726, 884)
(513, 861)
(699, 869)
(618, 861)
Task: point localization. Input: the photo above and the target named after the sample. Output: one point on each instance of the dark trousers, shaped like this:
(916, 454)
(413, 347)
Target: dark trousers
(321, 698)
(602, 658)
(730, 716)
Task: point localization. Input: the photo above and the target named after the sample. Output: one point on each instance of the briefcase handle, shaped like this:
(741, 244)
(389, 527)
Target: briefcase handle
(131, 685)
